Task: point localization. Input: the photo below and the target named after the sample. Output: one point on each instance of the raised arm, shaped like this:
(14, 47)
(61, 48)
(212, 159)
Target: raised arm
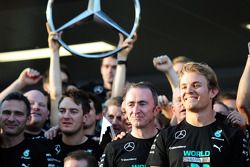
(164, 64)
(120, 75)
(243, 94)
(27, 77)
(55, 83)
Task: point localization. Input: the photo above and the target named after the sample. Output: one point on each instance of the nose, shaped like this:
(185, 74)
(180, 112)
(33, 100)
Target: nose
(11, 117)
(189, 89)
(66, 114)
(136, 109)
(35, 106)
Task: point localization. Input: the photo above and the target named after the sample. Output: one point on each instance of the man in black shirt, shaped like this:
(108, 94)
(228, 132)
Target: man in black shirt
(15, 150)
(200, 140)
(73, 107)
(141, 109)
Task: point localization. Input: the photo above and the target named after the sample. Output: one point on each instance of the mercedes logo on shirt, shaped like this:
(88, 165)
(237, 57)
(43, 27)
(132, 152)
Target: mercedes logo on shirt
(130, 146)
(180, 134)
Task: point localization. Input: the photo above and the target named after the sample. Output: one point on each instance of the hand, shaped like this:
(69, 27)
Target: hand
(51, 133)
(53, 39)
(163, 101)
(29, 76)
(119, 136)
(237, 118)
(162, 63)
(128, 45)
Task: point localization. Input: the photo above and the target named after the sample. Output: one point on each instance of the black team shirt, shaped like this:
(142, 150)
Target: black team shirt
(215, 145)
(126, 152)
(60, 150)
(26, 154)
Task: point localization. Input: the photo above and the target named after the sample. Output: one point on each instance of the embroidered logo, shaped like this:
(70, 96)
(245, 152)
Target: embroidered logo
(130, 146)
(180, 134)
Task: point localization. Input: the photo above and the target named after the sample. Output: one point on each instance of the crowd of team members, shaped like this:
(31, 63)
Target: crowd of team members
(61, 124)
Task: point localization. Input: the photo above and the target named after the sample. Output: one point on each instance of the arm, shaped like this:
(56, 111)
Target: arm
(120, 75)
(27, 77)
(107, 157)
(165, 106)
(164, 64)
(55, 83)
(243, 94)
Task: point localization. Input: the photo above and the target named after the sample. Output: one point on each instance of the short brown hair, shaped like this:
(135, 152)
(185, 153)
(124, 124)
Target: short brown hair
(79, 97)
(181, 59)
(81, 155)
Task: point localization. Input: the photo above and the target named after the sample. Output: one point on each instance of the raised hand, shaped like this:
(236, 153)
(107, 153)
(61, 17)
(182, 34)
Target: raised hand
(162, 63)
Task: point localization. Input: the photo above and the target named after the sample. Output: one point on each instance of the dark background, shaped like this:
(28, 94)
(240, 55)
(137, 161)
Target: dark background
(208, 31)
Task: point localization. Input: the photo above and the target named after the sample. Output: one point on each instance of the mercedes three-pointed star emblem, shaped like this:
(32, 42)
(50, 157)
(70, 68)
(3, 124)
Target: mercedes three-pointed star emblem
(94, 9)
(130, 146)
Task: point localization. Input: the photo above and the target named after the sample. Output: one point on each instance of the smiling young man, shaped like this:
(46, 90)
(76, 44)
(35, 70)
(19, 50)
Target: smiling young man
(200, 140)
(141, 108)
(73, 107)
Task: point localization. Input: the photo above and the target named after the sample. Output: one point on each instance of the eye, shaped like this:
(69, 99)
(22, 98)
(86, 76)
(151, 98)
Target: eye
(74, 111)
(130, 104)
(6, 112)
(42, 105)
(19, 114)
(142, 103)
(111, 117)
(183, 87)
(61, 110)
(197, 85)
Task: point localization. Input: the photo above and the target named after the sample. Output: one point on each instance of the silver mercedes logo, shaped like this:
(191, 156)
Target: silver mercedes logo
(130, 146)
(180, 134)
(94, 10)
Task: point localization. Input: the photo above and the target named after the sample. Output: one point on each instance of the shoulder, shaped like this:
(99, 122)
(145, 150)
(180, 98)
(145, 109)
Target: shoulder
(116, 144)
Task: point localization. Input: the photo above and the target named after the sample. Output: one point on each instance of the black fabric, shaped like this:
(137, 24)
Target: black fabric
(215, 145)
(60, 150)
(26, 154)
(119, 154)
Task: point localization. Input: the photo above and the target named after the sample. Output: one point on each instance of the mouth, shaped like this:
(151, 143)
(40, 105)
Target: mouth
(66, 124)
(10, 126)
(35, 114)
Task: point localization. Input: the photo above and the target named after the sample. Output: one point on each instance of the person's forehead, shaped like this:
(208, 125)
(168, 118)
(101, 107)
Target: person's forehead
(139, 94)
(191, 77)
(36, 96)
(114, 110)
(13, 105)
(68, 103)
(109, 61)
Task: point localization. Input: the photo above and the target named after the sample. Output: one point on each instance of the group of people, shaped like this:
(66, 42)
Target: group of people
(61, 125)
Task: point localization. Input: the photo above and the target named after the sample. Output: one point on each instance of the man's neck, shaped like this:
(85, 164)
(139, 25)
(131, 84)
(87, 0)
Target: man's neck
(74, 139)
(107, 85)
(90, 130)
(200, 118)
(32, 130)
(144, 133)
(11, 141)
